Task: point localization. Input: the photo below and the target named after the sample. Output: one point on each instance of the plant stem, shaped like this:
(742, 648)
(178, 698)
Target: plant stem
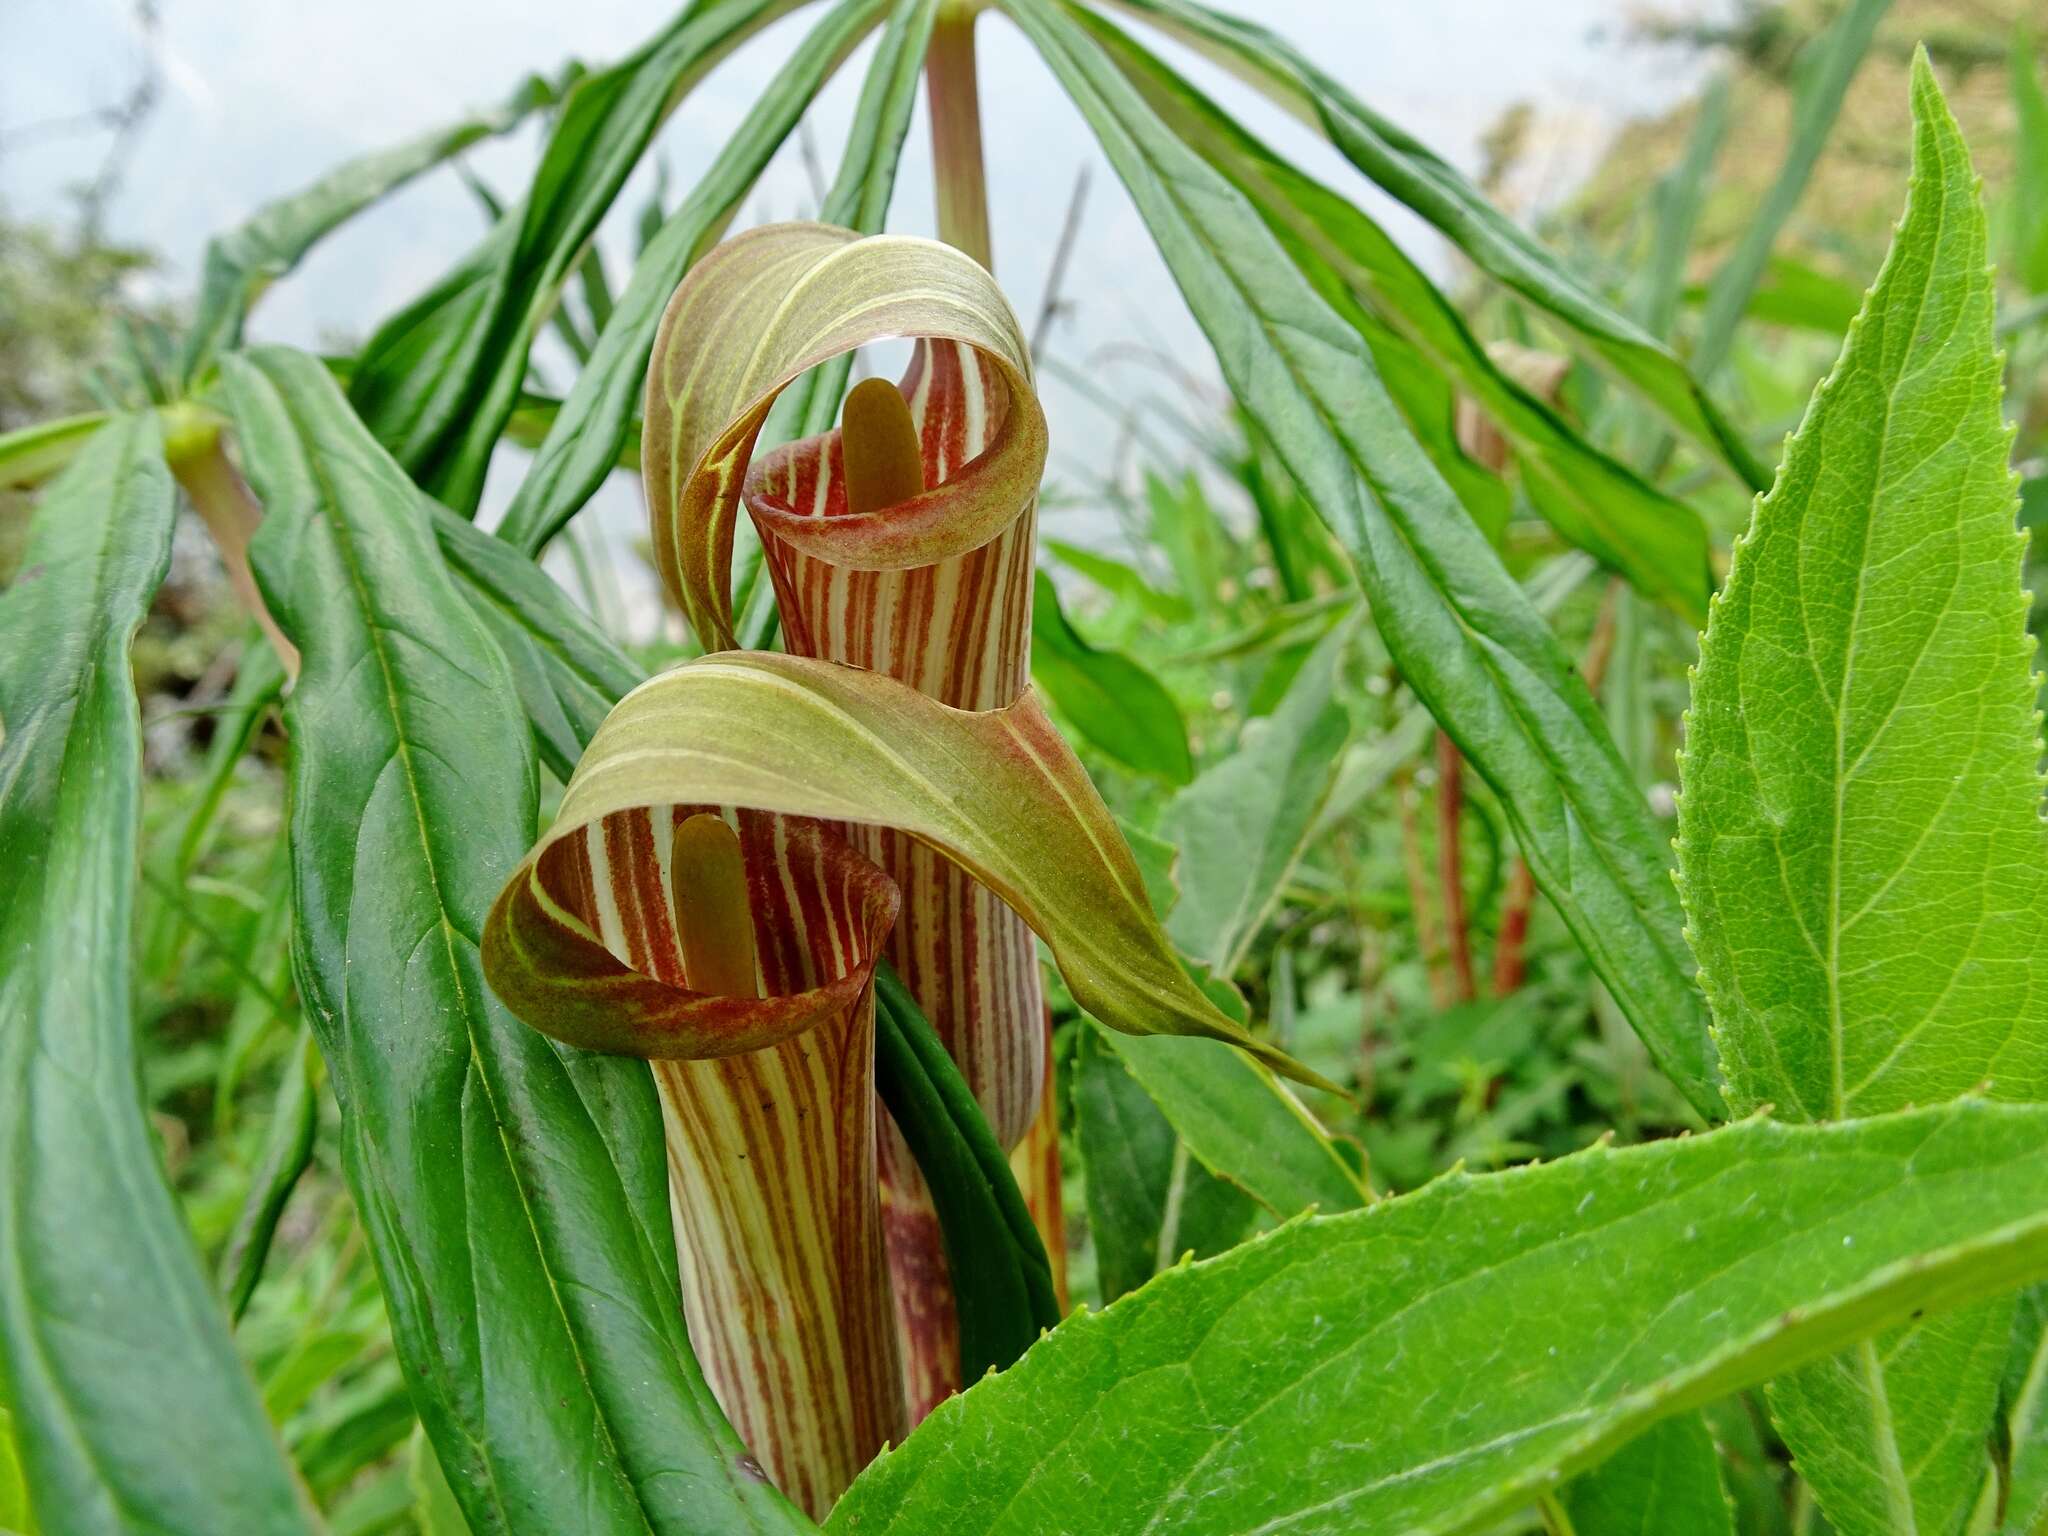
(230, 511)
(1427, 939)
(959, 177)
(1450, 864)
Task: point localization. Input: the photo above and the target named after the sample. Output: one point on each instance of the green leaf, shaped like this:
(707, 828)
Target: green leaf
(33, 454)
(2025, 1405)
(1463, 634)
(248, 258)
(1347, 1373)
(1826, 71)
(1002, 1280)
(1862, 742)
(1893, 1434)
(1597, 503)
(1243, 1124)
(287, 1152)
(131, 1411)
(1862, 747)
(583, 442)
(567, 672)
(1409, 171)
(1244, 824)
(437, 381)
(514, 1192)
(1149, 1202)
(1675, 203)
(1119, 580)
(1111, 700)
(2030, 171)
(1665, 1482)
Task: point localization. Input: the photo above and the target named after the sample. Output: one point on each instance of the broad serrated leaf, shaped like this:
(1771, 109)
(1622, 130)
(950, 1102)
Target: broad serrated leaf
(1860, 845)
(1463, 634)
(1435, 1362)
(513, 1192)
(130, 1408)
(1114, 703)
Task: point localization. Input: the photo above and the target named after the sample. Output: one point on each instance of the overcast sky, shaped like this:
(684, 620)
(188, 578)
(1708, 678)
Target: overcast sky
(260, 96)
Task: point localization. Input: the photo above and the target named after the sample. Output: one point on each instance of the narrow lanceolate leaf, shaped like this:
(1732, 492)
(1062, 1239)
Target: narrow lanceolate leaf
(32, 455)
(513, 1191)
(1149, 1201)
(1408, 170)
(131, 1412)
(1002, 1279)
(1241, 1124)
(1836, 56)
(243, 262)
(438, 380)
(922, 573)
(997, 792)
(1598, 504)
(1861, 853)
(1612, 1289)
(1245, 823)
(583, 443)
(1463, 634)
(1665, 1482)
(1120, 708)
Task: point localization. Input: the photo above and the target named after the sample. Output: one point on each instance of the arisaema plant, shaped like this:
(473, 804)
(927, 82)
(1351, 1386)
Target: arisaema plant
(703, 1131)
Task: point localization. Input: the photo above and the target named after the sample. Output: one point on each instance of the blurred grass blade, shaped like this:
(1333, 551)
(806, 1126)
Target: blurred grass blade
(287, 1152)
(243, 262)
(1002, 1281)
(2030, 147)
(584, 440)
(1825, 74)
(1408, 170)
(996, 792)
(1863, 743)
(1595, 502)
(131, 1410)
(1675, 203)
(437, 381)
(1465, 637)
(514, 1192)
(1186, 1407)
(1110, 699)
